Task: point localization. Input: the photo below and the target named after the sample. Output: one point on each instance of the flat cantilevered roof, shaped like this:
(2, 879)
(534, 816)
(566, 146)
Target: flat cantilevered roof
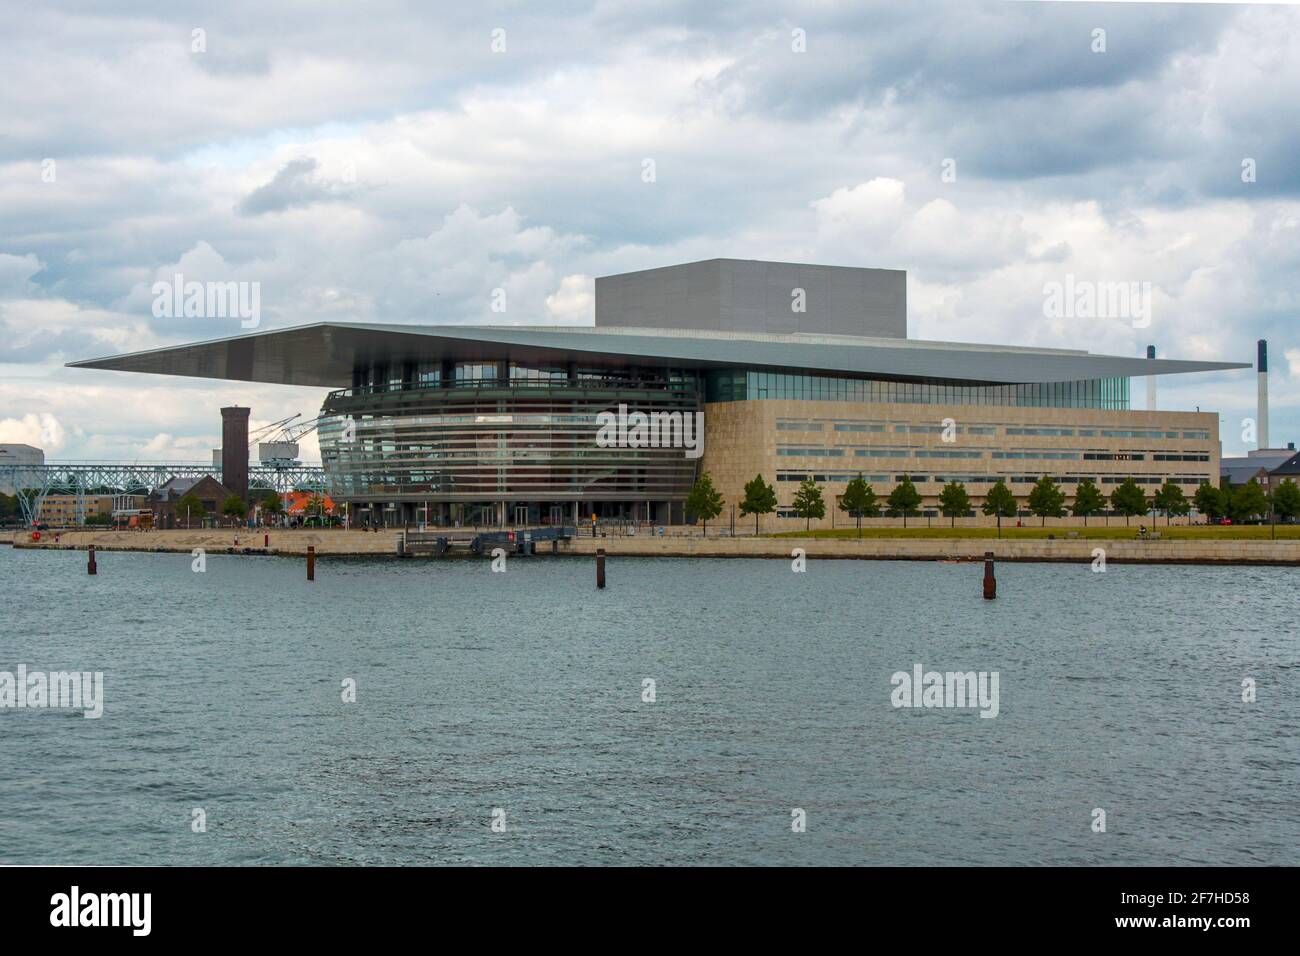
(324, 354)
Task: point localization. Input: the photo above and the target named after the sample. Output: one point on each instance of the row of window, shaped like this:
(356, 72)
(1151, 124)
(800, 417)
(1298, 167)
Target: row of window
(811, 426)
(384, 376)
(844, 477)
(794, 476)
(1053, 455)
(1036, 454)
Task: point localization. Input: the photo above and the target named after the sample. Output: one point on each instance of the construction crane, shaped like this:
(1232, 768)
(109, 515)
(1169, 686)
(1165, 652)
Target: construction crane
(280, 450)
(293, 433)
(265, 430)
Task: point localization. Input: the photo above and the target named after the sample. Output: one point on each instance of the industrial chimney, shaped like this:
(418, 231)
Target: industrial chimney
(1261, 363)
(234, 450)
(1151, 382)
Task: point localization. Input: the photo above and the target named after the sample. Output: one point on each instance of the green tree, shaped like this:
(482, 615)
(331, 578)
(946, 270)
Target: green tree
(808, 502)
(272, 505)
(1128, 499)
(1210, 501)
(1001, 502)
(1171, 500)
(904, 499)
(315, 507)
(1046, 499)
(190, 508)
(704, 501)
(860, 501)
(1286, 500)
(234, 508)
(760, 499)
(1248, 501)
(1088, 500)
(954, 501)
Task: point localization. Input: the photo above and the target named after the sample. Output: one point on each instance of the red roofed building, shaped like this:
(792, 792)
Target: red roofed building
(295, 503)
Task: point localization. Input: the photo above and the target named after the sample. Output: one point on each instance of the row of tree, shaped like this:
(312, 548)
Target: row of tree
(1046, 500)
(190, 508)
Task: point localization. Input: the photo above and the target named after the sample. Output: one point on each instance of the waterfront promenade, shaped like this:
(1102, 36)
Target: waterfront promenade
(337, 543)
(328, 541)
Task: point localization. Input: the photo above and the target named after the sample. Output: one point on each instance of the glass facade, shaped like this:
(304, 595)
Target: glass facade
(738, 385)
(504, 432)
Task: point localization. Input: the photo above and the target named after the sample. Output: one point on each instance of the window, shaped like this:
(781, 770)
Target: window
(475, 371)
(525, 373)
(1054, 432)
(811, 452)
(1136, 433)
(1050, 455)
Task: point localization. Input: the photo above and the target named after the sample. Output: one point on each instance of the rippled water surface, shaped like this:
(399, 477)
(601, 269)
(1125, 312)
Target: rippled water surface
(523, 691)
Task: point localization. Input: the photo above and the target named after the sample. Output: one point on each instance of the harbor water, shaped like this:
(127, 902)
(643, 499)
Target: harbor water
(704, 711)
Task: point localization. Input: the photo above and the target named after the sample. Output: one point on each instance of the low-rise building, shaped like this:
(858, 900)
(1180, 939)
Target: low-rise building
(14, 460)
(164, 499)
(67, 511)
(1260, 464)
(1288, 469)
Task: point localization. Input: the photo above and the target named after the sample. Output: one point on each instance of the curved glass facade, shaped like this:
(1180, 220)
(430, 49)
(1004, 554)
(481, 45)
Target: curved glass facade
(508, 435)
(738, 385)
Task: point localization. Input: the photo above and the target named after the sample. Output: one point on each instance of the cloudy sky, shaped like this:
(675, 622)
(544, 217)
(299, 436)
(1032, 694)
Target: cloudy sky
(398, 161)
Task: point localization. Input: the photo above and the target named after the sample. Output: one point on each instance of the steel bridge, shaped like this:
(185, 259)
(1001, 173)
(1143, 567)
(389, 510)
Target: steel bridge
(31, 483)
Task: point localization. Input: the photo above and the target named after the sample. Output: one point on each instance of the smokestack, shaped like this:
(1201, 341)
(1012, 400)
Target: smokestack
(234, 450)
(1151, 382)
(1261, 364)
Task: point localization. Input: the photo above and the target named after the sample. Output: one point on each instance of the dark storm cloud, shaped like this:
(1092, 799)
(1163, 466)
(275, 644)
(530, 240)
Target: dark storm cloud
(291, 186)
(1014, 89)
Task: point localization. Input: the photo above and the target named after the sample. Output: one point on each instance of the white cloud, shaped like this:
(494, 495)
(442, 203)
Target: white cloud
(40, 431)
(865, 212)
(574, 302)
